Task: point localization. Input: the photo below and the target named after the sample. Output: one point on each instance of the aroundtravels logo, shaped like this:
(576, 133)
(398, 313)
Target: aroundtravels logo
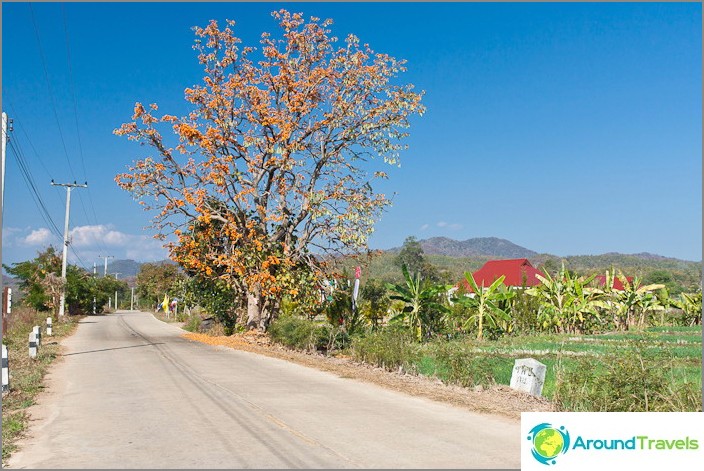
(548, 442)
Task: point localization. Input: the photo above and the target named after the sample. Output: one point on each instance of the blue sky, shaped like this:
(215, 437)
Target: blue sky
(568, 128)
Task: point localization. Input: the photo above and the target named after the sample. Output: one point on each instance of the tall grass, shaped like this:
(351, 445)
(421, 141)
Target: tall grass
(637, 379)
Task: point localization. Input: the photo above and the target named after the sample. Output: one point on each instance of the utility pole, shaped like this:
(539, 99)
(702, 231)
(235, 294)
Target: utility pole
(116, 292)
(106, 257)
(69, 186)
(95, 273)
(5, 130)
(132, 300)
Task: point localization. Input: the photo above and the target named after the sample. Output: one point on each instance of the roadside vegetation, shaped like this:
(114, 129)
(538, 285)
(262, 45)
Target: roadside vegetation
(26, 374)
(636, 349)
(268, 188)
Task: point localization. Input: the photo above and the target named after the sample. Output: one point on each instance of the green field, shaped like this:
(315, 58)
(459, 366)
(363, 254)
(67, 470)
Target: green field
(661, 362)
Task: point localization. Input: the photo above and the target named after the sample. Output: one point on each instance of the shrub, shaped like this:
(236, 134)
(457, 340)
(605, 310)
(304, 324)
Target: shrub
(389, 348)
(303, 334)
(192, 323)
(635, 380)
(458, 363)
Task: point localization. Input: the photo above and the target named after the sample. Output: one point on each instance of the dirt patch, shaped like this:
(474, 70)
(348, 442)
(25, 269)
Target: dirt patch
(498, 399)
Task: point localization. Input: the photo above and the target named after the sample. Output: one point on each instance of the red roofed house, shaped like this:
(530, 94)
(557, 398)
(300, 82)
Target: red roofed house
(618, 286)
(518, 272)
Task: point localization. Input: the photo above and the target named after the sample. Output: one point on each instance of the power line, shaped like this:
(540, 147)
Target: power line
(36, 196)
(51, 93)
(78, 132)
(73, 91)
(34, 192)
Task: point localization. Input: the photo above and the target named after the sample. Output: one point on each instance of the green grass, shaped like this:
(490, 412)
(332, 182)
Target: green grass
(672, 374)
(26, 374)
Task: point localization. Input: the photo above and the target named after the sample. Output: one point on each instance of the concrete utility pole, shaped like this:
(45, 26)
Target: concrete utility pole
(4, 139)
(116, 291)
(106, 257)
(132, 300)
(69, 186)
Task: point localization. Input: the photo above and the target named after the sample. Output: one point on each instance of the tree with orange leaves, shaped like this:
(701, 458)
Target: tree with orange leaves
(272, 170)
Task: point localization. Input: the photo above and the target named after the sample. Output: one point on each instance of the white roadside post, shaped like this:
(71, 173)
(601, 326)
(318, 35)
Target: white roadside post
(5, 369)
(32, 345)
(49, 326)
(38, 335)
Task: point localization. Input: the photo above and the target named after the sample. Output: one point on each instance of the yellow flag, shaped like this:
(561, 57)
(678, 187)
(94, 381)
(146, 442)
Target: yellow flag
(165, 304)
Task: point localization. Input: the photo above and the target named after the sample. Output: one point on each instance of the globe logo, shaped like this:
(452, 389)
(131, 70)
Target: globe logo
(548, 442)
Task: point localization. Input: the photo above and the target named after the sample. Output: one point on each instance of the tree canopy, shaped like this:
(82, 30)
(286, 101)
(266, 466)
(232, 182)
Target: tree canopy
(273, 168)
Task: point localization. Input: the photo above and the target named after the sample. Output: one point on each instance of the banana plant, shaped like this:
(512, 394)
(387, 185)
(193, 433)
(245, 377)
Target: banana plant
(567, 303)
(484, 303)
(420, 303)
(635, 297)
(691, 305)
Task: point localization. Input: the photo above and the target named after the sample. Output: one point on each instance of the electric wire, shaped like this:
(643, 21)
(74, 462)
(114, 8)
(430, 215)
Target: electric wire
(78, 132)
(36, 195)
(51, 93)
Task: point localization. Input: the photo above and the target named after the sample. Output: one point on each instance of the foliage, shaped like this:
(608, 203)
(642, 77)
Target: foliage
(155, 280)
(457, 362)
(270, 160)
(567, 304)
(635, 301)
(483, 304)
(411, 255)
(216, 297)
(390, 348)
(340, 314)
(38, 280)
(307, 335)
(422, 304)
(41, 284)
(375, 302)
(633, 380)
(691, 305)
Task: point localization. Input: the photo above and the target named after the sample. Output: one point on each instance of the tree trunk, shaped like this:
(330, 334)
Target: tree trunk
(253, 310)
(258, 312)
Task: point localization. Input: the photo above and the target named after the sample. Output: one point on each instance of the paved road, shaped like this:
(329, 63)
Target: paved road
(131, 393)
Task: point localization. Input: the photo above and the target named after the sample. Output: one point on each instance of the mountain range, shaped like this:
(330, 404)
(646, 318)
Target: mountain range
(477, 247)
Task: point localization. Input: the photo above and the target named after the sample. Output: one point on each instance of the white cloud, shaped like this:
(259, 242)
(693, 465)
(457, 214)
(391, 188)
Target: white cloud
(87, 236)
(92, 241)
(424, 227)
(442, 224)
(37, 237)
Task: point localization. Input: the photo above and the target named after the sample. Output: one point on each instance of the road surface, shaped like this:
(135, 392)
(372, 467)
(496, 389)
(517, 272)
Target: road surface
(131, 393)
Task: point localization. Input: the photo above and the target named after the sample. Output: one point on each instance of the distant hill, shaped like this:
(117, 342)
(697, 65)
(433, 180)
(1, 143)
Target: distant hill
(477, 247)
(452, 258)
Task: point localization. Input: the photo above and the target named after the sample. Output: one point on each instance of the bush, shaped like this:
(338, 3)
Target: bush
(635, 380)
(390, 348)
(303, 334)
(458, 363)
